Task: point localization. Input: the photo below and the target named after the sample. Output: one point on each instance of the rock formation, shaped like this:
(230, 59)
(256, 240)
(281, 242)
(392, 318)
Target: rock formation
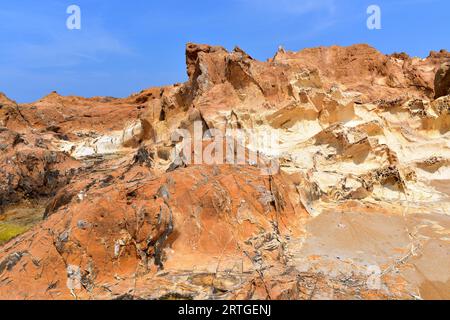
(442, 81)
(358, 210)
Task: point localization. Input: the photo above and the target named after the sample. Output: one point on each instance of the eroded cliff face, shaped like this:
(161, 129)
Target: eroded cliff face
(358, 210)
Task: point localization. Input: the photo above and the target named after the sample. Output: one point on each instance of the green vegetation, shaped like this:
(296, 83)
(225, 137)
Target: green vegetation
(9, 231)
(19, 218)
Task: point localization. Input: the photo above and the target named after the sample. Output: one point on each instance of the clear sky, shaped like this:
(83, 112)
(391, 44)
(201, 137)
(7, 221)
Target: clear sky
(126, 46)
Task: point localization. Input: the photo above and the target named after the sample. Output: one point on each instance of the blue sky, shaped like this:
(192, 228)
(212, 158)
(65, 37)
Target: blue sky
(126, 46)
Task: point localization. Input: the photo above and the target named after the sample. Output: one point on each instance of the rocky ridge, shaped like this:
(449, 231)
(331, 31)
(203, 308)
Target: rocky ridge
(359, 209)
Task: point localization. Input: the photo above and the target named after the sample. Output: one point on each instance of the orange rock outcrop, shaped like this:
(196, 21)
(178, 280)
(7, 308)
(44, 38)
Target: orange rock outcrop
(359, 208)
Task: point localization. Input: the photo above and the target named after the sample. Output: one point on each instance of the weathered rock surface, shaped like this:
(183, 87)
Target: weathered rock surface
(359, 209)
(442, 81)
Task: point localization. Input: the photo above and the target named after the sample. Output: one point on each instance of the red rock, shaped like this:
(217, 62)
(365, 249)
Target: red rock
(358, 210)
